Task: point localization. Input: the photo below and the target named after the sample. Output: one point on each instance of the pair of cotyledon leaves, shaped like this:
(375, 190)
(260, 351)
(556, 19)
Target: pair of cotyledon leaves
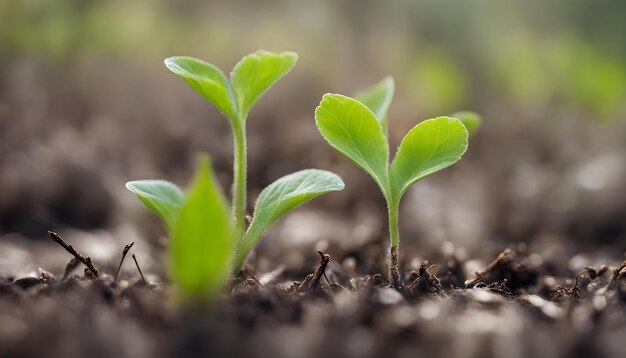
(249, 79)
(201, 230)
(358, 129)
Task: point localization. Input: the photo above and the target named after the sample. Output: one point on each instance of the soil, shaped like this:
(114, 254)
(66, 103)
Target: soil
(517, 306)
(547, 182)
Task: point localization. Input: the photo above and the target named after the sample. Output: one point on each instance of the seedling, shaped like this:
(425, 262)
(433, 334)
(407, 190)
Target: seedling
(202, 241)
(200, 227)
(358, 130)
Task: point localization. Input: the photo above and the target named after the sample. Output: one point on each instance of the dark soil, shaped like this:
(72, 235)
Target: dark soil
(514, 307)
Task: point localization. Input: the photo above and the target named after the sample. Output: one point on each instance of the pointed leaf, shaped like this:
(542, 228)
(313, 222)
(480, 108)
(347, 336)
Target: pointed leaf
(378, 99)
(284, 195)
(352, 129)
(256, 73)
(201, 241)
(470, 120)
(160, 196)
(430, 146)
(207, 80)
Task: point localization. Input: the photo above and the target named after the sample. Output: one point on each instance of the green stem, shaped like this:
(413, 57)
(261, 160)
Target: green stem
(394, 271)
(239, 180)
(238, 260)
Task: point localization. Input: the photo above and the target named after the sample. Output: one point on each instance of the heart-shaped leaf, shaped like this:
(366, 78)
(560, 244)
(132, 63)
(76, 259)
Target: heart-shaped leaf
(207, 80)
(256, 73)
(160, 196)
(430, 146)
(201, 240)
(378, 99)
(282, 196)
(352, 129)
(470, 120)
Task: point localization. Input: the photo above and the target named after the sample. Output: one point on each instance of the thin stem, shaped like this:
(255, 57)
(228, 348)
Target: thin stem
(394, 271)
(239, 179)
(239, 258)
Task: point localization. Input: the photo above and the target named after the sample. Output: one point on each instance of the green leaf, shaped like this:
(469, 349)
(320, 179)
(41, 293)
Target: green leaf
(256, 73)
(201, 241)
(207, 80)
(284, 195)
(378, 99)
(470, 120)
(160, 196)
(430, 146)
(352, 129)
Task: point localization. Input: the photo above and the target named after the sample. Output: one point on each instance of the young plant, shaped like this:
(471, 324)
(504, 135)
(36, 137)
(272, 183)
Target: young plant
(249, 79)
(200, 230)
(358, 130)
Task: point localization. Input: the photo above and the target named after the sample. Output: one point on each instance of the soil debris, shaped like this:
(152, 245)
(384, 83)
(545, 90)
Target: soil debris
(91, 271)
(509, 271)
(139, 269)
(424, 282)
(618, 273)
(124, 252)
(481, 276)
(581, 284)
(71, 266)
(46, 277)
(246, 280)
(28, 282)
(312, 283)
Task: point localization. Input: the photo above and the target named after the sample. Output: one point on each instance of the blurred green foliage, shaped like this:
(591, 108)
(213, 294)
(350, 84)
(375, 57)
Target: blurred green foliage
(566, 70)
(568, 54)
(439, 80)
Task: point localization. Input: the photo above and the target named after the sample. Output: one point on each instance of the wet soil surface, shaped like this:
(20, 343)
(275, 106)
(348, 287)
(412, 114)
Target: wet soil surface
(516, 306)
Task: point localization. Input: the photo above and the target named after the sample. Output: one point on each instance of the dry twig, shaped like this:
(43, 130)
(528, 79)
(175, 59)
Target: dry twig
(86, 260)
(124, 252)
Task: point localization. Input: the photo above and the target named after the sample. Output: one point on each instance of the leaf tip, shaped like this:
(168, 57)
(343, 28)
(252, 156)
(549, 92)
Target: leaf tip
(291, 56)
(171, 63)
(130, 185)
(204, 165)
(389, 81)
(340, 185)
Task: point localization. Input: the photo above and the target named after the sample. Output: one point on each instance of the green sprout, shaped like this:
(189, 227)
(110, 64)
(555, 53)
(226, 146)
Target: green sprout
(195, 228)
(200, 229)
(358, 130)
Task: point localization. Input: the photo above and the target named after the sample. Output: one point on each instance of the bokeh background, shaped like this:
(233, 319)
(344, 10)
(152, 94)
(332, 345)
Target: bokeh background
(86, 105)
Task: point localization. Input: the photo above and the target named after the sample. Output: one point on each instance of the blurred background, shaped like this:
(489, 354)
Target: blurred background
(86, 105)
